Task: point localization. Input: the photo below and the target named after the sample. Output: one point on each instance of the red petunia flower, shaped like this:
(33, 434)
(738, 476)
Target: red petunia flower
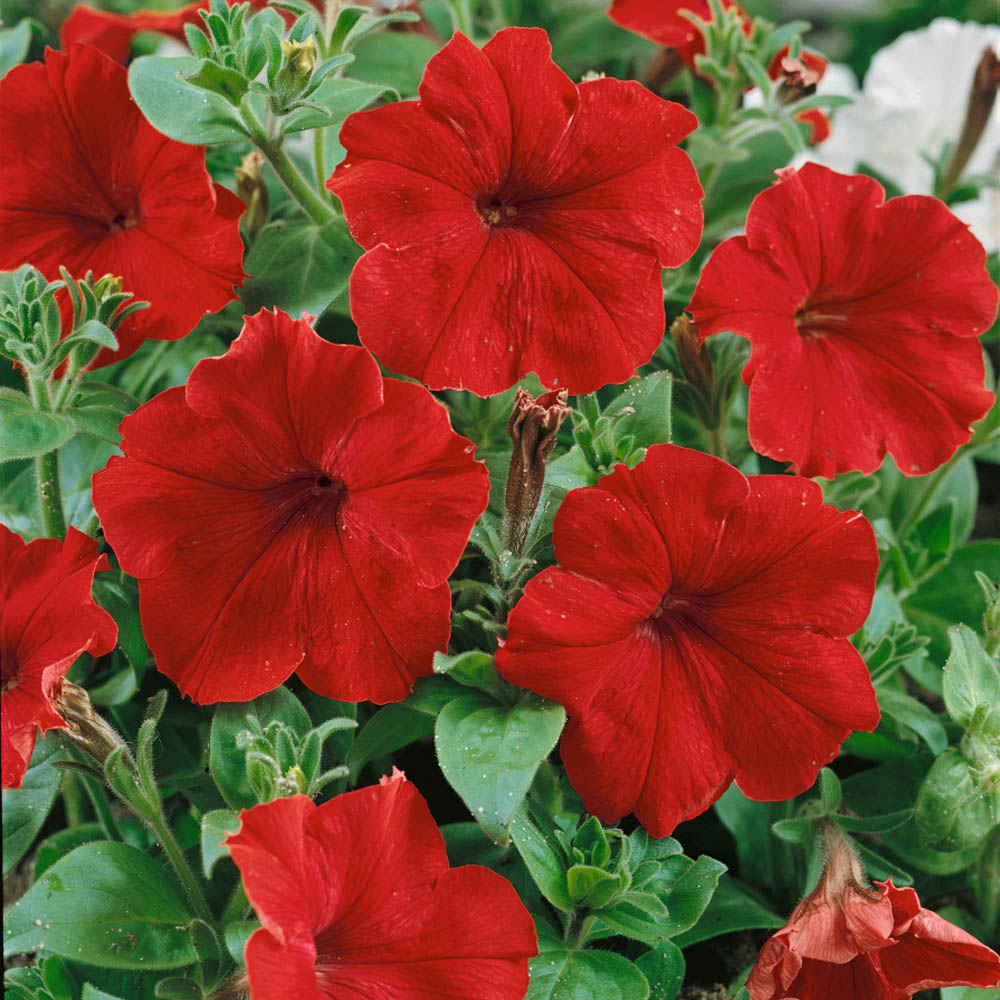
(47, 619)
(696, 632)
(288, 510)
(357, 900)
(516, 221)
(113, 33)
(90, 184)
(863, 316)
(661, 21)
(847, 941)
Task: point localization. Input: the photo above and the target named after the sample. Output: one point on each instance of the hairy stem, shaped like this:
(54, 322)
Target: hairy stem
(309, 200)
(179, 863)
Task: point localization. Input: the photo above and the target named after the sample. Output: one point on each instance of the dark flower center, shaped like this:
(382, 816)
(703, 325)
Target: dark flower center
(496, 212)
(819, 321)
(675, 609)
(123, 220)
(331, 490)
(9, 671)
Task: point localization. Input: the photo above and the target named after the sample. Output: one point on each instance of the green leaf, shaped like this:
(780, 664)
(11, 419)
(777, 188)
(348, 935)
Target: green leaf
(178, 108)
(971, 678)
(226, 761)
(874, 824)
(638, 915)
(829, 789)
(26, 432)
(952, 595)
(691, 892)
(489, 753)
(176, 988)
(562, 974)
(593, 887)
(100, 409)
(915, 715)
(237, 935)
(390, 728)
(795, 831)
(664, 970)
(25, 808)
(93, 993)
(955, 810)
(473, 669)
(394, 59)
(57, 846)
(215, 827)
(298, 266)
(339, 97)
(15, 42)
(542, 857)
(650, 399)
(104, 904)
(228, 83)
(734, 907)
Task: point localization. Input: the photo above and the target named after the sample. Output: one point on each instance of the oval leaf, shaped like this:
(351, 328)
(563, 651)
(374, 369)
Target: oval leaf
(104, 904)
(489, 753)
(179, 109)
(25, 808)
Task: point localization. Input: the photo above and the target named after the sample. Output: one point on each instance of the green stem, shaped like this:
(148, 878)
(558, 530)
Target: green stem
(72, 799)
(50, 495)
(319, 156)
(102, 807)
(149, 369)
(717, 441)
(47, 470)
(930, 488)
(163, 833)
(988, 881)
(461, 16)
(578, 928)
(319, 210)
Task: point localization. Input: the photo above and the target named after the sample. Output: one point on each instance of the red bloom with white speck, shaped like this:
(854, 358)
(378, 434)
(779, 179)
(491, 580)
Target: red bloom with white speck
(288, 510)
(48, 618)
(89, 184)
(357, 900)
(696, 631)
(863, 315)
(516, 221)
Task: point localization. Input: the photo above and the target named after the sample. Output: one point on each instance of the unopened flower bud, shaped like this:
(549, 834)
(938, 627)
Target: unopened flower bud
(109, 284)
(532, 427)
(695, 361)
(798, 80)
(982, 97)
(252, 189)
(300, 57)
(87, 729)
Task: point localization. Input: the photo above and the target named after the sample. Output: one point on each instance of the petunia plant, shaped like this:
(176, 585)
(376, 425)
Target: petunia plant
(496, 505)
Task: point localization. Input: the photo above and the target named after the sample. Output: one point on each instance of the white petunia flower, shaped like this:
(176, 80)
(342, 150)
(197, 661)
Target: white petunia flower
(913, 102)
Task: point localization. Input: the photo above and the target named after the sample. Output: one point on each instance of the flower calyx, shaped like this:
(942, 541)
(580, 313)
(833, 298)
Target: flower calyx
(533, 426)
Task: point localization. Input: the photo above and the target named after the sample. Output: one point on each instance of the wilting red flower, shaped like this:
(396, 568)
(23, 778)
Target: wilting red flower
(47, 619)
(516, 221)
(695, 633)
(288, 510)
(661, 21)
(863, 316)
(847, 941)
(356, 899)
(90, 184)
(113, 33)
